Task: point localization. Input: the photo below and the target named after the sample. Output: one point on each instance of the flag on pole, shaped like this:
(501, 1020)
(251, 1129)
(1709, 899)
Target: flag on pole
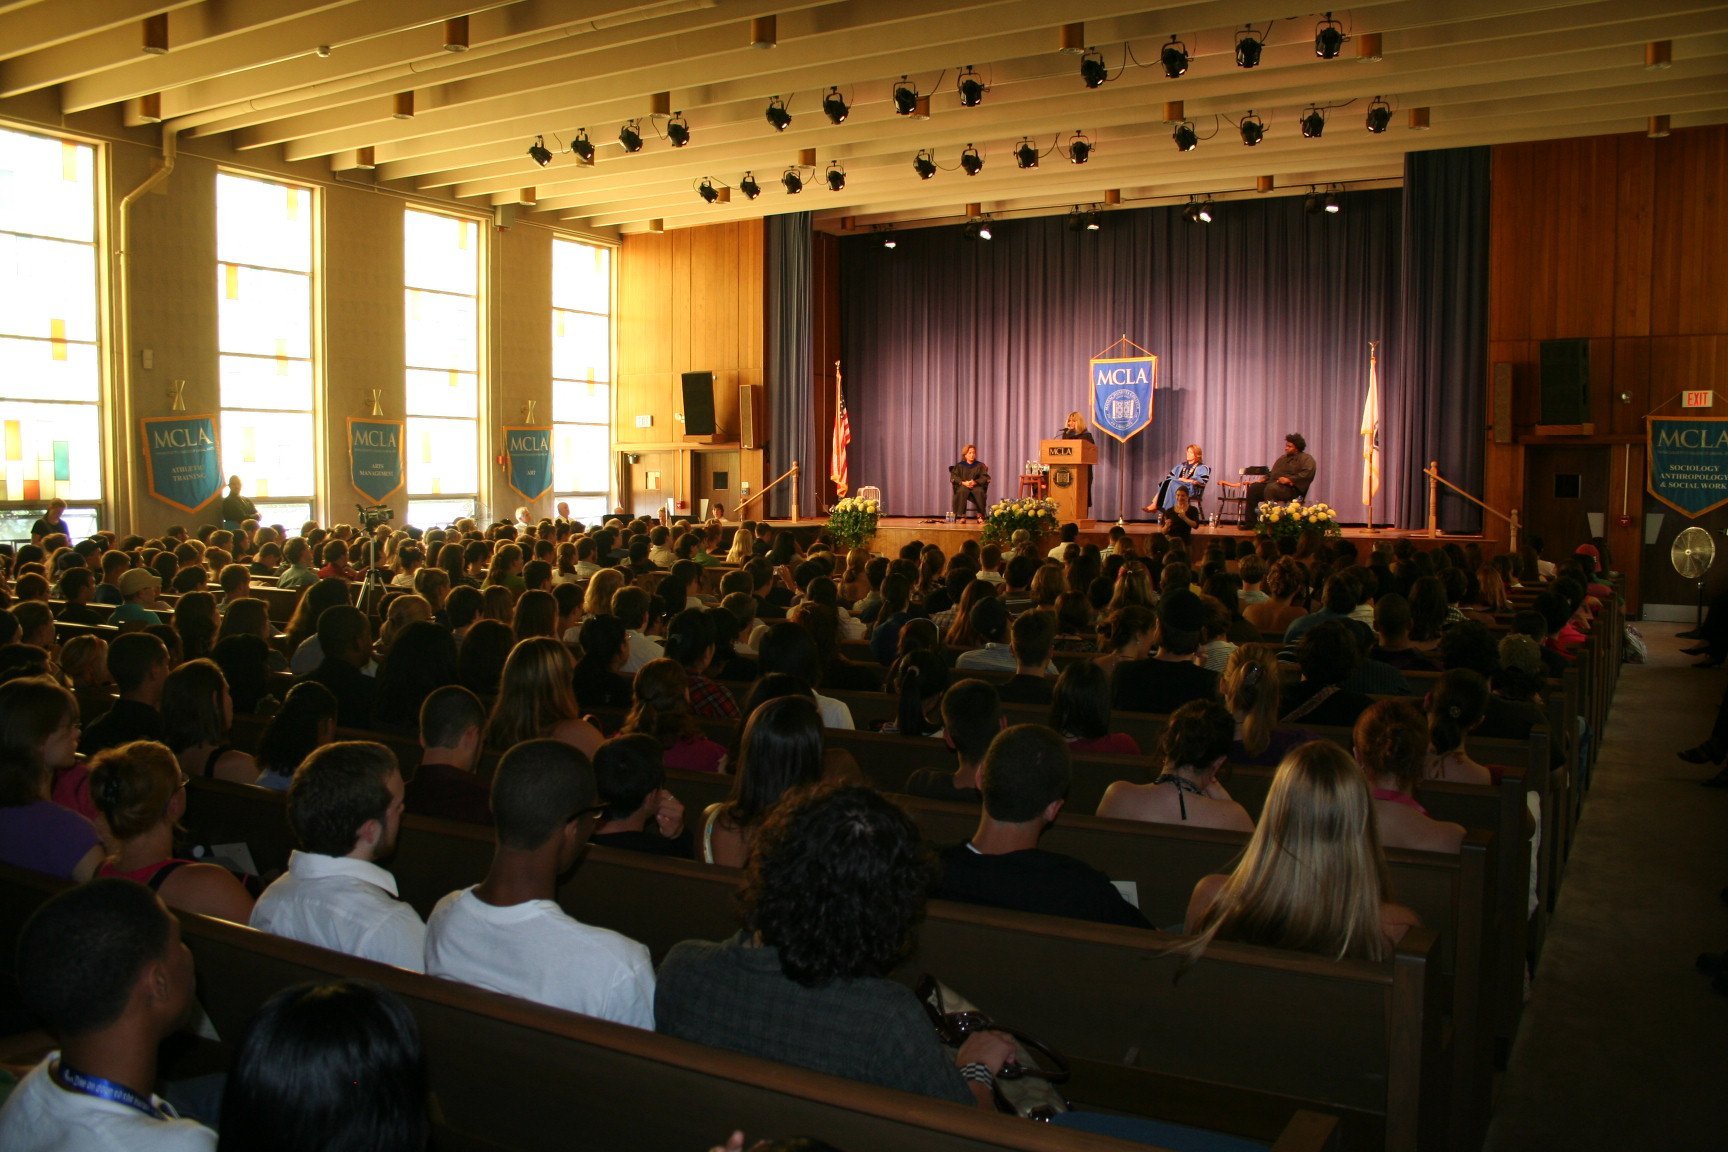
(842, 437)
(1370, 431)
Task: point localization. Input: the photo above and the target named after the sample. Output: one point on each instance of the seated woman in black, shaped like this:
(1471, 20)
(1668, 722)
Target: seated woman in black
(970, 480)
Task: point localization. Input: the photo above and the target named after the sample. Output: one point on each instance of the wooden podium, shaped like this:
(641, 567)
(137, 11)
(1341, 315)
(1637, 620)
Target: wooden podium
(1070, 463)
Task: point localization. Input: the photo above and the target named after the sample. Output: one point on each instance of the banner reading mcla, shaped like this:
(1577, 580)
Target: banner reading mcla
(375, 457)
(1122, 394)
(1688, 462)
(530, 455)
(181, 460)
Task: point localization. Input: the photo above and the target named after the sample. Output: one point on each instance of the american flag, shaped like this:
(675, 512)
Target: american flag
(842, 437)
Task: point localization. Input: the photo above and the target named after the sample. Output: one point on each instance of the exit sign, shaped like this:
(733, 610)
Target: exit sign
(1697, 399)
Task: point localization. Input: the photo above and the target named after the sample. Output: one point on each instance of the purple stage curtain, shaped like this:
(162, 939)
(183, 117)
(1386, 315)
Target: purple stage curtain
(1261, 322)
(788, 380)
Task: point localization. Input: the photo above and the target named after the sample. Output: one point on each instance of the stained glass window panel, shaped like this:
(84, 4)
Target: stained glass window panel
(271, 451)
(443, 456)
(49, 370)
(574, 401)
(581, 346)
(581, 277)
(50, 451)
(47, 288)
(264, 313)
(440, 253)
(263, 223)
(441, 331)
(47, 186)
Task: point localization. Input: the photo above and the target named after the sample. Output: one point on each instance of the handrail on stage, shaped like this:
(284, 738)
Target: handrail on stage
(1434, 482)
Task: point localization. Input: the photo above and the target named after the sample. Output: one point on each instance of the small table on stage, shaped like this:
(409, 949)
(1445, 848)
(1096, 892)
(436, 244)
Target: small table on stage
(1070, 463)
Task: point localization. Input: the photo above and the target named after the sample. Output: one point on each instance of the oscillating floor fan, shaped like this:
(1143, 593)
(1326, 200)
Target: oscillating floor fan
(1693, 552)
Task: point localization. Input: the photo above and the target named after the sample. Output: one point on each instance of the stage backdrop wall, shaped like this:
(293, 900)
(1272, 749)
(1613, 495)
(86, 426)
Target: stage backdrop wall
(1261, 322)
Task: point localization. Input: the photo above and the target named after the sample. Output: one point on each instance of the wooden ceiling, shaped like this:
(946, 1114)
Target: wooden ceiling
(337, 84)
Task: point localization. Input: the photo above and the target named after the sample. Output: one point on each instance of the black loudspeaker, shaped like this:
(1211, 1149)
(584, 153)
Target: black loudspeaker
(699, 403)
(1565, 382)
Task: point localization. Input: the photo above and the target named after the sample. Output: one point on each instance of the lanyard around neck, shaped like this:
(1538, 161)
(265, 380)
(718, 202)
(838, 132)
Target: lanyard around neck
(73, 1080)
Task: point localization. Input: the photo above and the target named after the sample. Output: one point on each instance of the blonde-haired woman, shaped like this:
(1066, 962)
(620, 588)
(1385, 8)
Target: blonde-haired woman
(141, 793)
(1189, 477)
(597, 597)
(743, 547)
(1313, 878)
(1250, 688)
(661, 708)
(408, 608)
(536, 700)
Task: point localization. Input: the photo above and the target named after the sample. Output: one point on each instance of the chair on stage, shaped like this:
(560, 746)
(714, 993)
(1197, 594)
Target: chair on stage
(1034, 484)
(1233, 502)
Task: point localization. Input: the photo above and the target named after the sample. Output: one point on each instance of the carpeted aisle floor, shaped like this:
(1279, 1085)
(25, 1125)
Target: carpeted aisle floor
(1623, 1044)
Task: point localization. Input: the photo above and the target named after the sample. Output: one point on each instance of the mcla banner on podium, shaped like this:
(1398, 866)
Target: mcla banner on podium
(1688, 462)
(375, 457)
(181, 460)
(1122, 394)
(530, 455)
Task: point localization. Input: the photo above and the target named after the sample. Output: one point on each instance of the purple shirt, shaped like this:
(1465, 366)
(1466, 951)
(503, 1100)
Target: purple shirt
(44, 837)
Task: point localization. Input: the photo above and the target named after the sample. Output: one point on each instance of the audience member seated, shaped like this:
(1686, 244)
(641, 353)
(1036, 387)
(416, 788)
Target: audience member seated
(345, 639)
(38, 737)
(138, 663)
(788, 649)
(641, 813)
(1080, 711)
(1193, 747)
(196, 620)
(422, 660)
(305, 652)
(508, 933)
(481, 655)
(971, 718)
(324, 1068)
(599, 678)
(780, 754)
(535, 700)
(1455, 705)
(630, 605)
(1391, 744)
(142, 796)
(831, 902)
(1169, 678)
(102, 967)
(344, 809)
(197, 713)
(661, 709)
(138, 592)
(1286, 591)
(891, 616)
(1125, 634)
(1025, 784)
(1392, 636)
(446, 785)
(78, 589)
(1251, 689)
(1031, 637)
(690, 641)
(918, 680)
(305, 722)
(404, 610)
(990, 628)
(1327, 656)
(823, 618)
(1312, 878)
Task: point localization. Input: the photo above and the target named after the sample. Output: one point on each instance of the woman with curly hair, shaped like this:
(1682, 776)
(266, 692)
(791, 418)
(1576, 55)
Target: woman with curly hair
(1391, 744)
(1252, 691)
(833, 892)
(661, 709)
(1313, 878)
(1455, 706)
(1186, 790)
(1125, 634)
(536, 700)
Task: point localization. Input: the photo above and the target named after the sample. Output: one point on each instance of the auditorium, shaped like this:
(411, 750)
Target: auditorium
(620, 366)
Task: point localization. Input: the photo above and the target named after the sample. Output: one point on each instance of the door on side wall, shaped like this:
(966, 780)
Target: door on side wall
(647, 481)
(1562, 484)
(716, 481)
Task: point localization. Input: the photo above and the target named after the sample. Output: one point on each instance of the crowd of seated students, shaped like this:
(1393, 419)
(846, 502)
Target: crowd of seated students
(482, 650)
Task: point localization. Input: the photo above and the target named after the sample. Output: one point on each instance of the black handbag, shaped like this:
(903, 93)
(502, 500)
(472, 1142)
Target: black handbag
(1026, 1087)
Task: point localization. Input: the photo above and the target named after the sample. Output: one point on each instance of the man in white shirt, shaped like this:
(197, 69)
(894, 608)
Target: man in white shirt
(344, 808)
(630, 604)
(508, 933)
(102, 966)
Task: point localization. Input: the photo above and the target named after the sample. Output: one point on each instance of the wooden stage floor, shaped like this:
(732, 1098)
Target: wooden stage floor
(895, 532)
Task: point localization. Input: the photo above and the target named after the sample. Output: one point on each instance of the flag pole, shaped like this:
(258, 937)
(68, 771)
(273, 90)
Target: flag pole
(1371, 435)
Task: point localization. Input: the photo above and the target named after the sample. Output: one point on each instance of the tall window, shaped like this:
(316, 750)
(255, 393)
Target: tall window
(442, 275)
(582, 377)
(264, 340)
(50, 354)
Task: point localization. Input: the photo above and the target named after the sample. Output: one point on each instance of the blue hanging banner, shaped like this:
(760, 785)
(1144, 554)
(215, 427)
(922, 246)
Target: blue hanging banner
(530, 454)
(1122, 394)
(375, 457)
(181, 460)
(1688, 462)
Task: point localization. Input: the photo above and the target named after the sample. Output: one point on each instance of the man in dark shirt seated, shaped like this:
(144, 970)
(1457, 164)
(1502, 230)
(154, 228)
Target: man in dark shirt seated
(445, 786)
(138, 664)
(1031, 638)
(345, 635)
(77, 588)
(1169, 678)
(971, 717)
(1025, 783)
(1328, 657)
(641, 814)
(1392, 637)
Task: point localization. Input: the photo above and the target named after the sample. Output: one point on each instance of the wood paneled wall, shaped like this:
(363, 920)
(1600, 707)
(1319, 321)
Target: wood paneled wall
(689, 301)
(1619, 240)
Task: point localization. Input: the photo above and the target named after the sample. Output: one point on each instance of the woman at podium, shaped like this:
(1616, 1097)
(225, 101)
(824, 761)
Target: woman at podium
(1191, 476)
(971, 482)
(1076, 429)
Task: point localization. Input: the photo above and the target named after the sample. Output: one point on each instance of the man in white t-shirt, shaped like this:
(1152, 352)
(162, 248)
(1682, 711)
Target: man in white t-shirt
(344, 808)
(508, 933)
(630, 604)
(103, 968)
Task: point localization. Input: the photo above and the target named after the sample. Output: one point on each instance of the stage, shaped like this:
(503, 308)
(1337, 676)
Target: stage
(895, 532)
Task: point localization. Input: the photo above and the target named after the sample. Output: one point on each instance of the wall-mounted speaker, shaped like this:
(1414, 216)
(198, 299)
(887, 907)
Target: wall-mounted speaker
(750, 417)
(699, 403)
(1502, 405)
(1565, 382)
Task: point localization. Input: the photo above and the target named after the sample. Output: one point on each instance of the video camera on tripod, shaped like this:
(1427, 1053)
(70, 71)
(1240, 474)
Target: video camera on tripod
(378, 514)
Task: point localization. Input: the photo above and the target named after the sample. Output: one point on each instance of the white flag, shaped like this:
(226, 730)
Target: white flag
(1371, 433)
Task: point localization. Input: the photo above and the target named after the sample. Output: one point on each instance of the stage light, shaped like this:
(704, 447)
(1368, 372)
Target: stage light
(1026, 153)
(1206, 211)
(631, 136)
(971, 88)
(1333, 204)
(1313, 123)
(1191, 213)
(1249, 45)
(1252, 128)
(1175, 58)
(1094, 220)
(777, 114)
(793, 181)
(707, 191)
(1076, 221)
(984, 228)
(970, 232)
(1186, 138)
(1328, 38)
(923, 164)
(834, 107)
(749, 187)
(678, 130)
(970, 162)
(582, 146)
(1313, 203)
(1093, 70)
(1080, 148)
(905, 97)
(1379, 116)
(888, 240)
(836, 176)
(539, 152)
